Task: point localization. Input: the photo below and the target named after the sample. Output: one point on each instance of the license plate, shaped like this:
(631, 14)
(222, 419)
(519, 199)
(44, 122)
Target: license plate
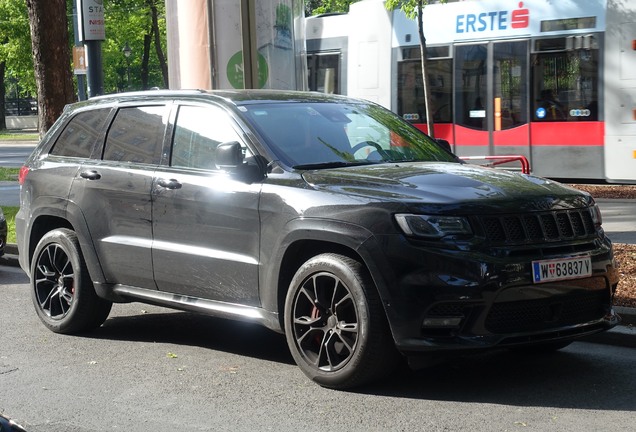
(561, 269)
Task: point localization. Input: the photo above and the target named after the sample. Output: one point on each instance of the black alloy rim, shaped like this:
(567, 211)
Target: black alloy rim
(325, 326)
(54, 282)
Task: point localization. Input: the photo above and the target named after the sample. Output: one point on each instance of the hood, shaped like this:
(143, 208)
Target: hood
(448, 184)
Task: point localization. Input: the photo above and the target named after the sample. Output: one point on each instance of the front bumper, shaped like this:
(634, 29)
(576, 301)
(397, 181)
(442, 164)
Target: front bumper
(456, 300)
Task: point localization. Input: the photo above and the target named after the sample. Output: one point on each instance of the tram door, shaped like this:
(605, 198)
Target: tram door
(491, 99)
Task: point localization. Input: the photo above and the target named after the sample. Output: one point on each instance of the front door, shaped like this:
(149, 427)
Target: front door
(205, 223)
(491, 99)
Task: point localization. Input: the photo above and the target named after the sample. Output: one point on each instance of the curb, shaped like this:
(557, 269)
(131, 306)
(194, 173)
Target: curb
(623, 334)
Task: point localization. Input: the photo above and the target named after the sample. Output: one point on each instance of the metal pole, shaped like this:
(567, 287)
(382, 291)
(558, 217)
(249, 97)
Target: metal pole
(81, 79)
(250, 52)
(94, 70)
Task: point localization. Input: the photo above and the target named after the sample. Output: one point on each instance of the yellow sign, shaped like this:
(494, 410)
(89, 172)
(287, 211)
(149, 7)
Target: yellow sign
(79, 60)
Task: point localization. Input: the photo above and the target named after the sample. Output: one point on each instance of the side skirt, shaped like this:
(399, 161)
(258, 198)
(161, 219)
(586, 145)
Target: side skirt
(199, 305)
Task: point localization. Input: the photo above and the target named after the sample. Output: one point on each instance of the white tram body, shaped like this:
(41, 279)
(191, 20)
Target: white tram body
(552, 81)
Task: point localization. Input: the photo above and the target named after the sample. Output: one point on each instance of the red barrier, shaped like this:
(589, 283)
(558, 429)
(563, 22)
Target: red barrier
(498, 160)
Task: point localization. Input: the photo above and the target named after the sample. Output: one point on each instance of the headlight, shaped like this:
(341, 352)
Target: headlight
(596, 215)
(432, 226)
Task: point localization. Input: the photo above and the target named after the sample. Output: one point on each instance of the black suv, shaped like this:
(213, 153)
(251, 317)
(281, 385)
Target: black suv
(328, 219)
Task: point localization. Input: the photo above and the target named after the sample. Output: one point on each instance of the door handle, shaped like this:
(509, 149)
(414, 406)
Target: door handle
(90, 175)
(169, 183)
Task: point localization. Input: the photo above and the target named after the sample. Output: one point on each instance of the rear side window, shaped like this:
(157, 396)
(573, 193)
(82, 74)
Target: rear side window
(80, 134)
(136, 135)
(198, 131)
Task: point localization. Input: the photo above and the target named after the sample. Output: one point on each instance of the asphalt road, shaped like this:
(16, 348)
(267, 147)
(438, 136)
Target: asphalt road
(153, 369)
(14, 155)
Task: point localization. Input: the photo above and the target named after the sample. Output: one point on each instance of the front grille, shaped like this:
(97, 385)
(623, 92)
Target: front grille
(534, 315)
(550, 226)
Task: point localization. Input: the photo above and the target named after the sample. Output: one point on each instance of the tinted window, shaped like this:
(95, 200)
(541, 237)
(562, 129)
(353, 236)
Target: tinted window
(198, 131)
(80, 134)
(136, 135)
(304, 134)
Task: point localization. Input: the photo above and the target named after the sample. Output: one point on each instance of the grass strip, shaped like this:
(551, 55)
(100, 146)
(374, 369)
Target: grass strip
(9, 174)
(9, 214)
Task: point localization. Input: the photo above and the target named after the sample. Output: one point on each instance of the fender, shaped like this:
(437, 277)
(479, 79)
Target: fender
(346, 234)
(70, 212)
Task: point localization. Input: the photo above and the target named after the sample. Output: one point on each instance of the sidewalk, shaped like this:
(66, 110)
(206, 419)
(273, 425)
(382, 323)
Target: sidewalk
(623, 334)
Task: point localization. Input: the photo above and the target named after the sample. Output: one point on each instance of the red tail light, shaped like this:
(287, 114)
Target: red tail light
(23, 173)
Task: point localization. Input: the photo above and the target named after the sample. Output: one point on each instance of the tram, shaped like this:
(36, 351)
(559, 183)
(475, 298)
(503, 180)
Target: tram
(554, 81)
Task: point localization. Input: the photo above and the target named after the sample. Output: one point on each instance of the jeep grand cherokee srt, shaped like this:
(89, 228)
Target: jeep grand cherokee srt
(328, 219)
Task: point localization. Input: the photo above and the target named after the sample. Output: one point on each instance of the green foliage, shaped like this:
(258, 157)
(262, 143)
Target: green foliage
(15, 47)
(9, 215)
(128, 21)
(10, 136)
(283, 16)
(9, 174)
(317, 7)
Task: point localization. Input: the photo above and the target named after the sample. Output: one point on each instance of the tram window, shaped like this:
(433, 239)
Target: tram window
(324, 72)
(432, 52)
(565, 85)
(411, 90)
(568, 24)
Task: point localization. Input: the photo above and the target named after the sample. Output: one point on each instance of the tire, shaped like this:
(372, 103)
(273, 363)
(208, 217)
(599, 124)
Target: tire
(335, 324)
(61, 289)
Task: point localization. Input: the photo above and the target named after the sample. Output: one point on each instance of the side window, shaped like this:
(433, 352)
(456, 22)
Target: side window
(197, 133)
(136, 135)
(80, 134)
(566, 79)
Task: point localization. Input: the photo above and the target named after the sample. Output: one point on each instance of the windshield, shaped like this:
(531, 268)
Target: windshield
(331, 134)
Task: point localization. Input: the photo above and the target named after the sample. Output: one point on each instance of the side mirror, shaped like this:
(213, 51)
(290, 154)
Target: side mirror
(229, 155)
(444, 144)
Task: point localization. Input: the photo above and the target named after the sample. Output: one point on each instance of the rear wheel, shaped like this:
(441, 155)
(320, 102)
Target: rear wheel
(61, 289)
(335, 325)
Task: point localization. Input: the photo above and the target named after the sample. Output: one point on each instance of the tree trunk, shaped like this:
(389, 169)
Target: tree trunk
(155, 31)
(51, 58)
(3, 119)
(427, 92)
(144, 60)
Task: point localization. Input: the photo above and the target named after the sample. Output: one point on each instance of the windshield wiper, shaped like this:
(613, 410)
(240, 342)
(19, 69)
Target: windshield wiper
(339, 164)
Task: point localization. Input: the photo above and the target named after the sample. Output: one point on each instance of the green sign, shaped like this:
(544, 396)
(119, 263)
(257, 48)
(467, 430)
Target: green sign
(235, 71)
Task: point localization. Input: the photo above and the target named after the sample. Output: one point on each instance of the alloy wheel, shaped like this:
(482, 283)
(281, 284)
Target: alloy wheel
(54, 282)
(325, 322)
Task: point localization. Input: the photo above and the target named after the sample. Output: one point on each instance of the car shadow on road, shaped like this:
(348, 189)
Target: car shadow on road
(572, 378)
(578, 377)
(185, 328)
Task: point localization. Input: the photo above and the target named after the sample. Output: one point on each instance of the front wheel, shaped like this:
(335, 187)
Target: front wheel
(61, 289)
(335, 325)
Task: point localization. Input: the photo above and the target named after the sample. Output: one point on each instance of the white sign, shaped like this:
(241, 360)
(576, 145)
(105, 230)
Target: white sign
(91, 20)
(493, 19)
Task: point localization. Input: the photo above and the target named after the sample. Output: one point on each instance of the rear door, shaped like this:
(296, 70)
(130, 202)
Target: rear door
(113, 192)
(205, 223)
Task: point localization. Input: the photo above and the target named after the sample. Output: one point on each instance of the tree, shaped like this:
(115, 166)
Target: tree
(51, 58)
(413, 9)
(317, 7)
(140, 24)
(16, 61)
